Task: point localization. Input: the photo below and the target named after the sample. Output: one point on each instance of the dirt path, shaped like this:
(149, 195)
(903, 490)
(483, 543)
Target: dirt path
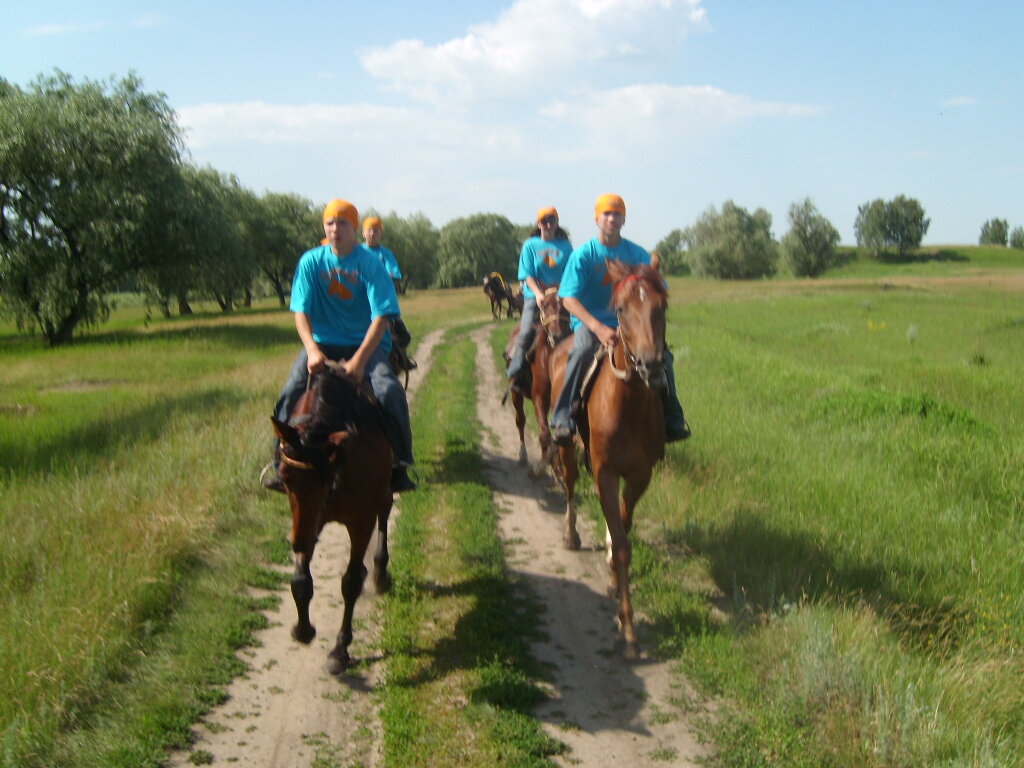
(608, 711)
(288, 712)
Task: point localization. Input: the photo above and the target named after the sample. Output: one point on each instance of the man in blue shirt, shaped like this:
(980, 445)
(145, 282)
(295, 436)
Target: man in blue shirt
(343, 298)
(586, 293)
(400, 336)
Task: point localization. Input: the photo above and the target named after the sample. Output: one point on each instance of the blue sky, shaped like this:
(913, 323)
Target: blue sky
(454, 107)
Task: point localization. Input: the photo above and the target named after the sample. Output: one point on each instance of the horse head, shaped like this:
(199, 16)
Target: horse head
(640, 299)
(554, 317)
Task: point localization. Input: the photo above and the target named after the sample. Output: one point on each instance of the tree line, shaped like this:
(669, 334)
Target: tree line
(97, 196)
(997, 232)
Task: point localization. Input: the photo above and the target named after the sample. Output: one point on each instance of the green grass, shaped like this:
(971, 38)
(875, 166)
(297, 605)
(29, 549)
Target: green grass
(834, 556)
(461, 680)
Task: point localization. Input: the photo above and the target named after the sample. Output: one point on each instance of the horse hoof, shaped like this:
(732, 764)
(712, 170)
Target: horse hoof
(304, 634)
(631, 651)
(338, 662)
(571, 541)
(382, 582)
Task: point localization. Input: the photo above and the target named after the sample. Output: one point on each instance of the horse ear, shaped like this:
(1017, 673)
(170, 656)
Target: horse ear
(286, 433)
(617, 270)
(338, 439)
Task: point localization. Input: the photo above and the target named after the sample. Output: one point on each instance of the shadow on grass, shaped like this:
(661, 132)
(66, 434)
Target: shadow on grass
(922, 257)
(762, 571)
(106, 437)
(239, 335)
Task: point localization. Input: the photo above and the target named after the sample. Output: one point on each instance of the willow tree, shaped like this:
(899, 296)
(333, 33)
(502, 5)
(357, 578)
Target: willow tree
(85, 171)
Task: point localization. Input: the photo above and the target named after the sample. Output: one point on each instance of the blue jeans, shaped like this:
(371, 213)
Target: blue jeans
(584, 347)
(383, 382)
(525, 339)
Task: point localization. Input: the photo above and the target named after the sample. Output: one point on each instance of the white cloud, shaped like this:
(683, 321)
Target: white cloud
(959, 101)
(534, 44)
(661, 115)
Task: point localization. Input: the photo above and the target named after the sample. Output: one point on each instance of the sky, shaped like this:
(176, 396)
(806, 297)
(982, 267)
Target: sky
(454, 107)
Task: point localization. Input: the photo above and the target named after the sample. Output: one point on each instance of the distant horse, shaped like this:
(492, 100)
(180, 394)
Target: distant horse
(621, 424)
(551, 329)
(497, 291)
(516, 301)
(336, 467)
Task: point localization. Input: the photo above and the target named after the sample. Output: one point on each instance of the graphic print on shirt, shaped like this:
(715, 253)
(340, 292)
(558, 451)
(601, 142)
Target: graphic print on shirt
(336, 279)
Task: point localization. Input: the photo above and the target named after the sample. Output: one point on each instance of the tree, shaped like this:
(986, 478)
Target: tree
(83, 171)
(1017, 237)
(899, 224)
(994, 232)
(809, 247)
(288, 226)
(733, 244)
(472, 247)
(217, 234)
(672, 250)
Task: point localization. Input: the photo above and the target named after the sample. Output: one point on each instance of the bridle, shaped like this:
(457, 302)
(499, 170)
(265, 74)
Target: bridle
(632, 362)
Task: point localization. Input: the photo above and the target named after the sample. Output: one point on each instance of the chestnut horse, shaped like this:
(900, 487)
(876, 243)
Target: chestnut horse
(552, 328)
(336, 467)
(621, 425)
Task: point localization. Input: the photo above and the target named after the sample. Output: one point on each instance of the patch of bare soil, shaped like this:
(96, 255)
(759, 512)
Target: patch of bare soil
(609, 711)
(288, 711)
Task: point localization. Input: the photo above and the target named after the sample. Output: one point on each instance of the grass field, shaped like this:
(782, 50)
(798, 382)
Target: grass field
(835, 556)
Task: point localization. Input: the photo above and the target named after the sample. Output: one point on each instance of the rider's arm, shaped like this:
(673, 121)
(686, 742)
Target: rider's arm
(602, 332)
(314, 357)
(536, 286)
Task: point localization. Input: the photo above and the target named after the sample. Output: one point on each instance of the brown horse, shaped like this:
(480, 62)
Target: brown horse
(552, 328)
(336, 467)
(500, 296)
(622, 425)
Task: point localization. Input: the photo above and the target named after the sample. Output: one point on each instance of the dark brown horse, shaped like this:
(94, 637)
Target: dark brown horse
(551, 329)
(336, 467)
(621, 424)
(500, 296)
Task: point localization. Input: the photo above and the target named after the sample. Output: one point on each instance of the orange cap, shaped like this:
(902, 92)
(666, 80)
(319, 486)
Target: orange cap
(372, 222)
(549, 211)
(609, 203)
(342, 209)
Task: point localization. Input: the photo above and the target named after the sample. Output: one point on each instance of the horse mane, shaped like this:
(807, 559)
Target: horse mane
(645, 273)
(338, 405)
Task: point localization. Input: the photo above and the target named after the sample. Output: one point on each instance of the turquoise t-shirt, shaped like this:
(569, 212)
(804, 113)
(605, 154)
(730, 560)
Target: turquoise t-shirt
(342, 295)
(586, 277)
(543, 260)
(387, 258)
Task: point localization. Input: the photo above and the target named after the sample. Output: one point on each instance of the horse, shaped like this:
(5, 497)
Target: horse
(516, 302)
(621, 425)
(336, 467)
(497, 291)
(551, 329)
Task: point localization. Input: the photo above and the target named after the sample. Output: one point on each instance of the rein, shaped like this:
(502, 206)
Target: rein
(624, 373)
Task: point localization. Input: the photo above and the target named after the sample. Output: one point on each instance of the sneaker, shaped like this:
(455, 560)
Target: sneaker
(562, 435)
(400, 480)
(270, 480)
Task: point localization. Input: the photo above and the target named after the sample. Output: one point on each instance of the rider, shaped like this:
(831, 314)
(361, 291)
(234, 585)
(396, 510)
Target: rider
(586, 292)
(372, 231)
(342, 298)
(541, 262)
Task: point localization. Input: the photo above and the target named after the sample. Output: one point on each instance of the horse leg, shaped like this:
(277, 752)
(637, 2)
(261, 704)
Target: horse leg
(381, 557)
(517, 405)
(569, 472)
(302, 594)
(541, 408)
(621, 555)
(351, 588)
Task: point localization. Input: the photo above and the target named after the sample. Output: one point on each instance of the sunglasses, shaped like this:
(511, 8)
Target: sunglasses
(549, 220)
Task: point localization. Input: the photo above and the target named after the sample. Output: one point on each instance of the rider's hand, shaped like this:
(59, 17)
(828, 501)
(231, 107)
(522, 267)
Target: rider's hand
(606, 335)
(315, 361)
